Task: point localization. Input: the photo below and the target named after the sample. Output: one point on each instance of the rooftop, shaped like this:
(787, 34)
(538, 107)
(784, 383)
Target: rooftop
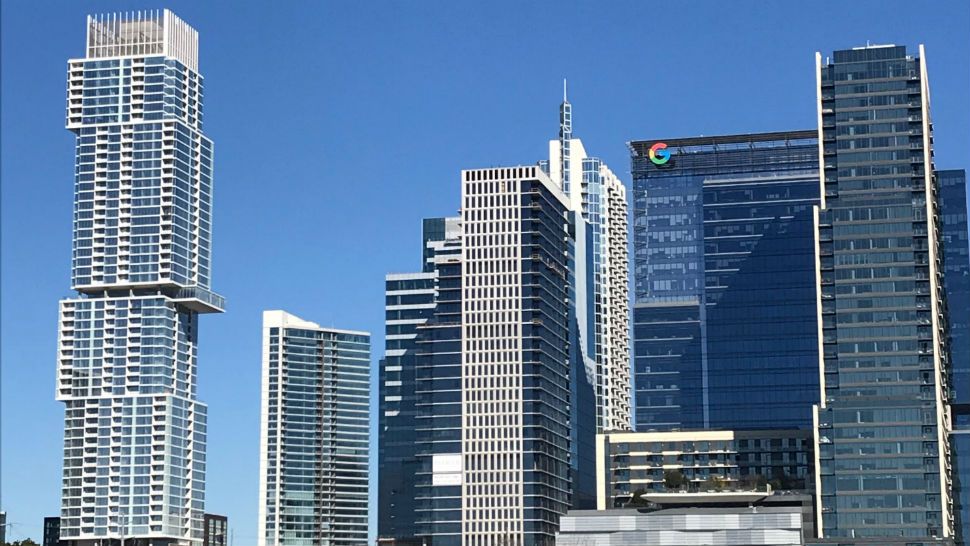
(640, 147)
(141, 33)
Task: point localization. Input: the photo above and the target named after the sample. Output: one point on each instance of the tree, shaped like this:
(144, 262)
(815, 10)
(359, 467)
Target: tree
(674, 479)
(24, 542)
(635, 500)
(716, 483)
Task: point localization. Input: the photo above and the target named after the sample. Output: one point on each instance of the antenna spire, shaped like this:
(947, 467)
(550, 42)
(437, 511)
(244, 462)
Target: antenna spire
(564, 90)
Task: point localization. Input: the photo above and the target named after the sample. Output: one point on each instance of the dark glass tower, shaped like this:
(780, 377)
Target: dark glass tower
(956, 264)
(410, 309)
(883, 422)
(438, 394)
(724, 312)
(52, 531)
(216, 530)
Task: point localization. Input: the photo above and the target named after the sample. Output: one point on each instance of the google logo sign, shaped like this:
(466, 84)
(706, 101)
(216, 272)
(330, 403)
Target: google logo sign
(659, 154)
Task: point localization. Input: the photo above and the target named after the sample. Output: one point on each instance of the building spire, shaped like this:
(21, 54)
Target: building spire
(565, 136)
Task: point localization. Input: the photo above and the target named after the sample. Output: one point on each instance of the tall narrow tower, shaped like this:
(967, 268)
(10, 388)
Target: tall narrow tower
(134, 432)
(883, 421)
(598, 197)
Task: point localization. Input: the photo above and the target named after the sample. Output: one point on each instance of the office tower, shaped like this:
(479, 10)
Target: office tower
(514, 463)
(724, 307)
(411, 300)
(629, 464)
(956, 280)
(883, 420)
(494, 375)
(52, 531)
(314, 424)
(495, 351)
(216, 530)
(601, 270)
(135, 433)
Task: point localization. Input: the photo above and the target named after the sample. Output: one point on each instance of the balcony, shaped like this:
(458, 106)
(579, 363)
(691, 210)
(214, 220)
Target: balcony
(200, 300)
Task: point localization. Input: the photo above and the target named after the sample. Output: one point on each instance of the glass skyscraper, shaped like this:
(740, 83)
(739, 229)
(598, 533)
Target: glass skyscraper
(314, 426)
(883, 422)
(135, 434)
(956, 264)
(410, 309)
(724, 279)
(505, 355)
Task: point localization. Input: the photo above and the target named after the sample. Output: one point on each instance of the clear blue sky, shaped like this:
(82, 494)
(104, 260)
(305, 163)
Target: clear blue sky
(338, 126)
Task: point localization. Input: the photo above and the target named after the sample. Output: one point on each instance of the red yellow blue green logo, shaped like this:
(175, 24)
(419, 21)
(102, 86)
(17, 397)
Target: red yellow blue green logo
(659, 154)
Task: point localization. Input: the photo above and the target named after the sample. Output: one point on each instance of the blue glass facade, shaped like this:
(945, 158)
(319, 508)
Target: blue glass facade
(546, 365)
(883, 424)
(438, 393)
(410, 310)
(410, 301)
(143, 174)
(725, 314)
(314, 434)
(956, 278)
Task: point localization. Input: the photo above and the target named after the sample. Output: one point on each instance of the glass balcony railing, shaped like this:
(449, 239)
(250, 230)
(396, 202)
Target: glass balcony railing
(201, 300)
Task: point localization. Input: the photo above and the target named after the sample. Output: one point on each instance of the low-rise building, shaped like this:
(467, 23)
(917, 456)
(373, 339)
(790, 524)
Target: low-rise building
(718, 519)
(629, 463)
(216, 531)
(52, 531)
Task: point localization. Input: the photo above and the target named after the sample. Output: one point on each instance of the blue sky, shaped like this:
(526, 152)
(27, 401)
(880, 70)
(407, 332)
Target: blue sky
(339, 125)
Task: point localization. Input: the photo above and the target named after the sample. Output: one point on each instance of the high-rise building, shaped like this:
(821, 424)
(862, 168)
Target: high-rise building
(438, 392)
(492, 370)
(135, 433)
(883, 421)
(216, 530)
(411, 301)
(956, 280)
(514, 463)
(601, 269)
(724, 307)
(314, 425)
(495, 351)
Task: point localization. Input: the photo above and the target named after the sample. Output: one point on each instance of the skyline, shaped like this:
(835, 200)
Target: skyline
(235, 337)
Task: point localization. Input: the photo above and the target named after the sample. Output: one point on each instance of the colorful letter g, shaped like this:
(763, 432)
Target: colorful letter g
(659, 154)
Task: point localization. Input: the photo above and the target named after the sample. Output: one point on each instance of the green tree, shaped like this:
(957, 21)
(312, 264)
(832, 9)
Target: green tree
(24, 542)
(674, 479)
